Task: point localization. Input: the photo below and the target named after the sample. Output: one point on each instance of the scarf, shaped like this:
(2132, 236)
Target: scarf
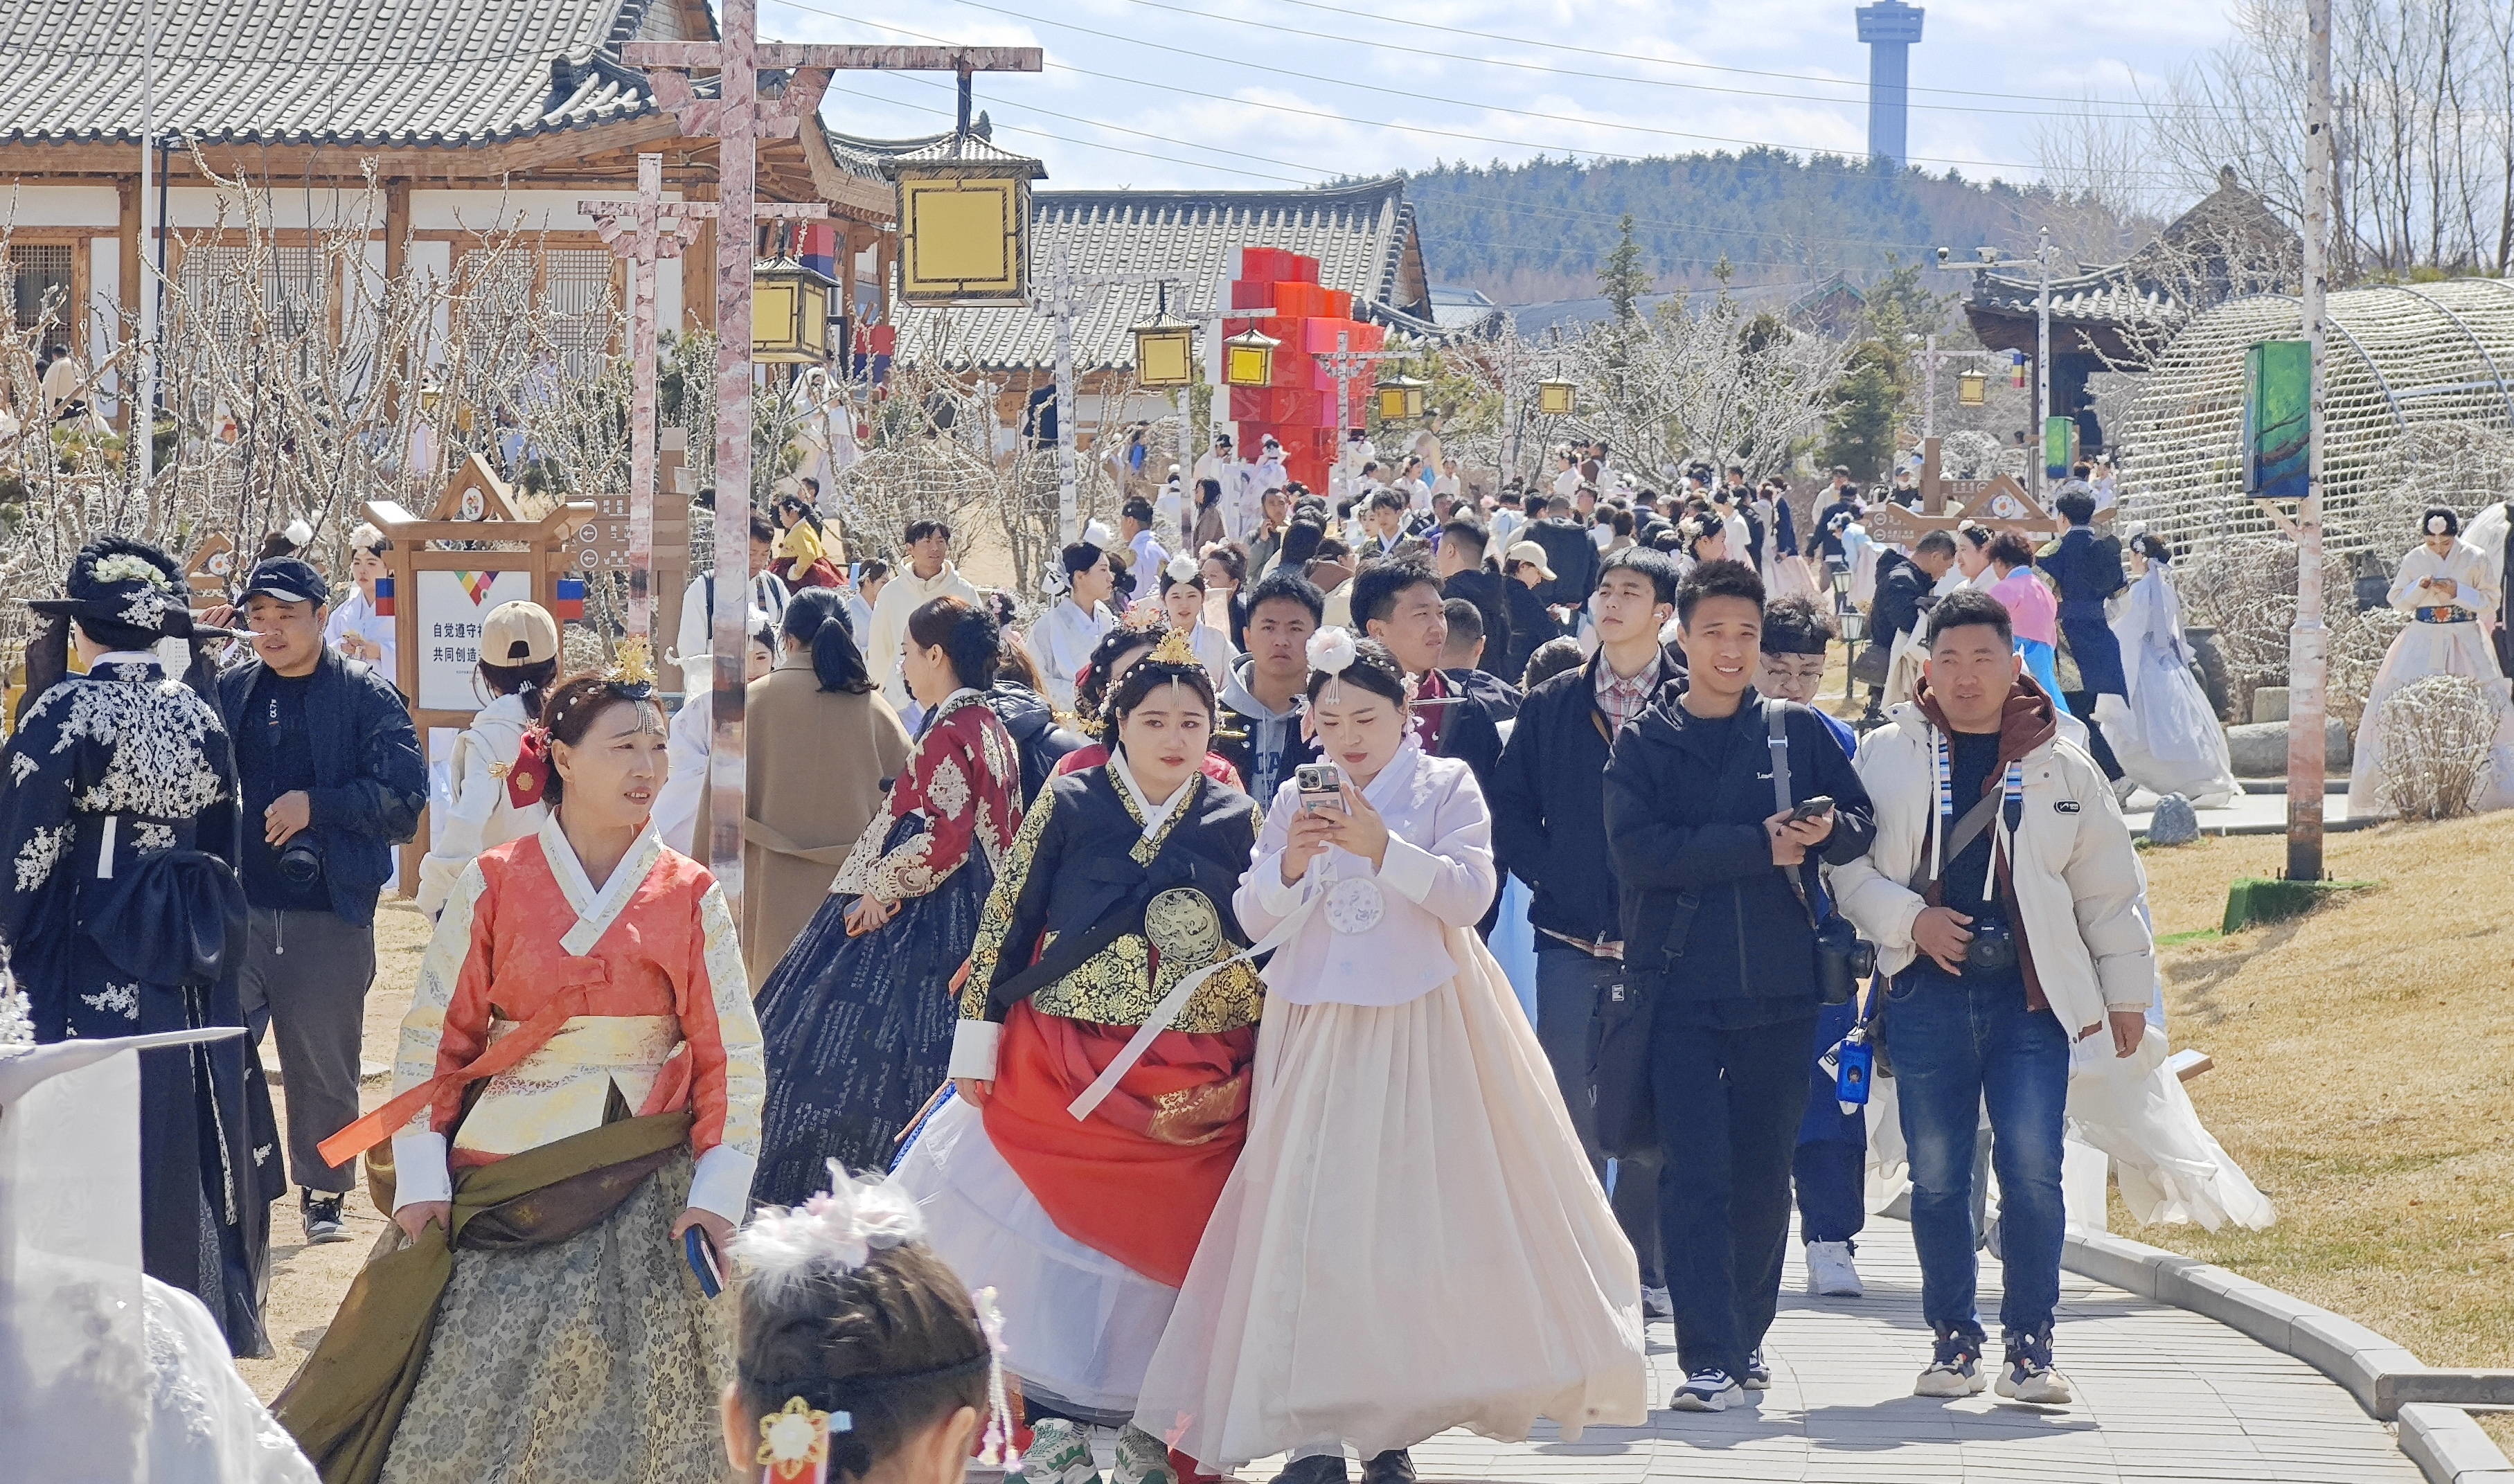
(2027, 722)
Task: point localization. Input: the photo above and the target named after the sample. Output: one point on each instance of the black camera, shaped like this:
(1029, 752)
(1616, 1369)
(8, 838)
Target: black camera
(1843, 958)
(301, 860)
(1993, 949)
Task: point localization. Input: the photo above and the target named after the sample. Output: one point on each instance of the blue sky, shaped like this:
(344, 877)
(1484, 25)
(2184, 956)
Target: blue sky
(1148, 80)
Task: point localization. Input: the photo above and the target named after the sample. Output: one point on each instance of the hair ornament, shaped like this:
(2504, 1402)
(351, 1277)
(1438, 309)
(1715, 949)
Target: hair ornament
(836, 1229)
(632, 666)
(1175, 651)
(1141, 617)
(1332, 651)
(1097, 534)
(528, 777)
(2439, 523)
(1183, 568)
(297, 533)
(995, 1438)
(794, 1442)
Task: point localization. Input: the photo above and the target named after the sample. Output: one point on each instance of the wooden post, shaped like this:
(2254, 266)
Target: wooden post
(737, 118)
(1934, 489)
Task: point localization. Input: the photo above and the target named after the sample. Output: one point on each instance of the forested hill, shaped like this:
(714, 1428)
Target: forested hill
(1530, 232)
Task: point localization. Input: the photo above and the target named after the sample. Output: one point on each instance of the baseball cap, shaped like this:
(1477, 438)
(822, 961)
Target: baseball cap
(1529, 553)
(518, 633)
(288, 580)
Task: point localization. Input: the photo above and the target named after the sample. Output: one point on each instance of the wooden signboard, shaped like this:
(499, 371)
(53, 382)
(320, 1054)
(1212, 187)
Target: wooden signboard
(1999, 503)
(442, 594)
(209, 575)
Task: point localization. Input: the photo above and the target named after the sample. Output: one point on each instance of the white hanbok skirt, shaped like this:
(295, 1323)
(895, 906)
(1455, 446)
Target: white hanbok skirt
(2418, 650)
(2171, 741)
(1413, 1241)
(1079, 1326)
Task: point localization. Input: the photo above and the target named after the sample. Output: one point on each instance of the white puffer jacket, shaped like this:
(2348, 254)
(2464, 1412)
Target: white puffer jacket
(2079, 884)
(482, 815)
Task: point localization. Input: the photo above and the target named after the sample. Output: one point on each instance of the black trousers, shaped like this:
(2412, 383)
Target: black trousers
(1728, 1107)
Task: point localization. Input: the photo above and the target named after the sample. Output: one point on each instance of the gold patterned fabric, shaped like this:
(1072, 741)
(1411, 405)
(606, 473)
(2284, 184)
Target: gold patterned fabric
(1119, 985)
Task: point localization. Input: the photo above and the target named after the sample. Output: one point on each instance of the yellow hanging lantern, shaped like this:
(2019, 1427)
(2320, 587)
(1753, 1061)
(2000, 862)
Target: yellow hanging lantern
(1556, 398)
(963, 221)
(790, 313)
(1972, 388)
(1400, 397)
(1164, 349)
(1248, 359)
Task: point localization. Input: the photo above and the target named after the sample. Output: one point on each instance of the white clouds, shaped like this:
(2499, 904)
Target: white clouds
(1453, 105)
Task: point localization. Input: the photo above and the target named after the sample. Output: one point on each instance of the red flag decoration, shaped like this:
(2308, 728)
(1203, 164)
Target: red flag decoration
(570, 602)
(383, 597)
(528, 780)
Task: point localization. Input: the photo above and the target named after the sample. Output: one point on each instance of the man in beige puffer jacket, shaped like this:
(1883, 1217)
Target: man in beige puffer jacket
(2008, 907)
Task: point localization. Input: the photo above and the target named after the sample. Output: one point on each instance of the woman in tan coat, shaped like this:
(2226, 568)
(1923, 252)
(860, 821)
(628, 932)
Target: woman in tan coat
(823, 748)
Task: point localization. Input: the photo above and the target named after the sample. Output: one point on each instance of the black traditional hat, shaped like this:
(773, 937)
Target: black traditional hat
(125, 586)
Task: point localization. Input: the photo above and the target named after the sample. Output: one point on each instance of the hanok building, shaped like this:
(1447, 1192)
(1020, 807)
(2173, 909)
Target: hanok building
(2118, 316)
(1363, 236)
(474, 116)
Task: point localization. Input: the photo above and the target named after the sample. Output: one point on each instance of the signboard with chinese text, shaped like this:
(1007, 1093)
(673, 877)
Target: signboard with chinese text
(452, 605)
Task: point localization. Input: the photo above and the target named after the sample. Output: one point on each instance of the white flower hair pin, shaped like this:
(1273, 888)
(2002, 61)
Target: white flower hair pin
(839, 1230)
(2437, 525)
(1097, 534)
(1183, 568)
(1332, 651)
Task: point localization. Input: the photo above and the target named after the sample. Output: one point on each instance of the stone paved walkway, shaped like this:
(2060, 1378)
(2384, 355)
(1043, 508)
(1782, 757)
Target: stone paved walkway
(2163, 1394)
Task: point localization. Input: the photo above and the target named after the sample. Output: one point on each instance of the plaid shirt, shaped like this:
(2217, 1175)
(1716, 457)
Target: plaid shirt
(1623, 700)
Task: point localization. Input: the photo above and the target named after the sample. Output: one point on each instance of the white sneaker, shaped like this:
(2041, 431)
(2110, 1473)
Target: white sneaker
(1831, 1272)
(2026, 1375)
(1955, 1370)
(1711, 1391)
(1059, 1454)
(1142, 1458)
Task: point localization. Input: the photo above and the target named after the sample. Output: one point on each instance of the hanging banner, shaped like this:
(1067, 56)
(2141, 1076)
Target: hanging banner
(452, 606)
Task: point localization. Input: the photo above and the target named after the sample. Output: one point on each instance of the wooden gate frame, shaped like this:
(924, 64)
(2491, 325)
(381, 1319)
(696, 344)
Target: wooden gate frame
(546, 555)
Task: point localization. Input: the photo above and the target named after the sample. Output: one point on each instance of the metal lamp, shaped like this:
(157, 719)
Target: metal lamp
(1248, 359)
(963, 214)
(790, 313)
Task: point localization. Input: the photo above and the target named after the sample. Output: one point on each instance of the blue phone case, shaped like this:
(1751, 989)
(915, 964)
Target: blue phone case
(702, 1261)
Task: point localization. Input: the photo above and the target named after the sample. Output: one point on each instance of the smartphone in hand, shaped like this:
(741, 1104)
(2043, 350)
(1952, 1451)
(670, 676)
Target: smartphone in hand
(1321, 786)
(1813, 809)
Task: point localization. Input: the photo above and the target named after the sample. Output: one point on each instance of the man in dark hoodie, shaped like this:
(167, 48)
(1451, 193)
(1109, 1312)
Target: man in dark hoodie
(1260, 727)
(1719, 943)
(1549, 818)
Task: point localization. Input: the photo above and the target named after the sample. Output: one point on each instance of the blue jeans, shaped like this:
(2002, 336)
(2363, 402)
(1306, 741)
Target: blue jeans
(1958, 1044)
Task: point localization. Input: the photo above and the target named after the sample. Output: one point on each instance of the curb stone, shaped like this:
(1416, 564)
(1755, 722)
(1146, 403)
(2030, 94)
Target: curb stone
(2441, 1438)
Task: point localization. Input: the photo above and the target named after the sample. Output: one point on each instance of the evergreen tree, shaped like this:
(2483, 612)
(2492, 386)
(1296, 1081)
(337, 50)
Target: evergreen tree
(1622, 279)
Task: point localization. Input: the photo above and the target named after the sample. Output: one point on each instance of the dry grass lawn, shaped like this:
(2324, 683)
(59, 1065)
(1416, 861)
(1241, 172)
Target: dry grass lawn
(2364, 1079)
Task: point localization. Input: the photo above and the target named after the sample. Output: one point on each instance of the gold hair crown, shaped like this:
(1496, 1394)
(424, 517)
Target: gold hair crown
(633, 662)
(1175, 650)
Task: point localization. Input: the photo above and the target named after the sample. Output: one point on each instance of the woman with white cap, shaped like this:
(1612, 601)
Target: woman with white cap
(519, 655)
(1531, 623)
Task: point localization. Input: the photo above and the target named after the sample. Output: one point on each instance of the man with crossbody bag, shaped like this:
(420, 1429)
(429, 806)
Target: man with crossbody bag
(2008, 907)
(1720, 945)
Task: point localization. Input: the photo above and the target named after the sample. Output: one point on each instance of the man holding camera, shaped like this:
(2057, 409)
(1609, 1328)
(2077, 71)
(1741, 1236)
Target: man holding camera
(332, 781)
(2008, 908)
(1717, 895)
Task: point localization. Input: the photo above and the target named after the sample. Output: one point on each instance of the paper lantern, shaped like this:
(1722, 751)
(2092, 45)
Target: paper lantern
(1400, 397)
(963, 221)
(1972, 388)
(1164, 350)
(1248, 359)
(790, 313)
(1556, 398)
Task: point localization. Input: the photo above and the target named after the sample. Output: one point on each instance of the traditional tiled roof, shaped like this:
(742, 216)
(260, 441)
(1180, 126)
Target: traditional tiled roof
(1361, 234)
(319, 71)
(868, 158)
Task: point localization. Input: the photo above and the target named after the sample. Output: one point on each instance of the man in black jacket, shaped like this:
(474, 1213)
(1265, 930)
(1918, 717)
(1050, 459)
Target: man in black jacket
(332, 780)
(1903, 587)
(1719, 943)
(1840, 500)
(1460, 560)
(1549, 819)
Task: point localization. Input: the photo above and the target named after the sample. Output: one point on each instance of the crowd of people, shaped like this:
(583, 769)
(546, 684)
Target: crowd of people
(1327, 977)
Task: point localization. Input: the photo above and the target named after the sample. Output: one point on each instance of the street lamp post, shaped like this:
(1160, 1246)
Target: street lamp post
(1067, 297)
(1988, 257)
